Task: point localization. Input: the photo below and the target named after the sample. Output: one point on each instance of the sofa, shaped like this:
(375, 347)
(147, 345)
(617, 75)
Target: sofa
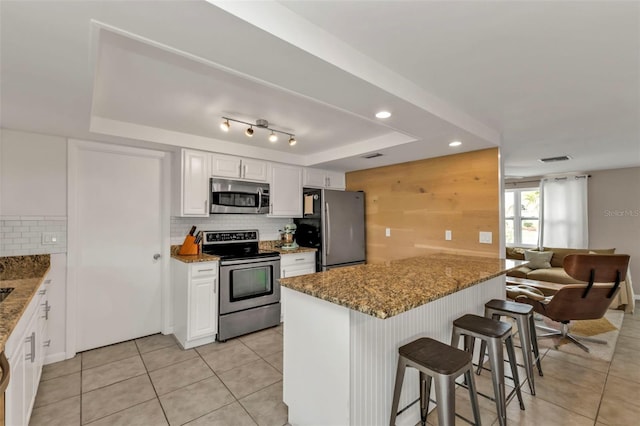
(556, 274)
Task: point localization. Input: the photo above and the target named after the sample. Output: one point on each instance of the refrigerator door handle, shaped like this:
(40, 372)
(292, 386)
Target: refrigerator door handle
(328, 233)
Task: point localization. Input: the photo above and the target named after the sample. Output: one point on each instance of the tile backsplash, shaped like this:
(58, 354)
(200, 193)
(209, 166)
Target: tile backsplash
(268, 227)
(23, 235)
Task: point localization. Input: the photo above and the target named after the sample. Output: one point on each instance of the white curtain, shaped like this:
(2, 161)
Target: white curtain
(564, 212)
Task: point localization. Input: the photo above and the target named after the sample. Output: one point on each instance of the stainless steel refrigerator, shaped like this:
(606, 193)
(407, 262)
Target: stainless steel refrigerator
(333, 222)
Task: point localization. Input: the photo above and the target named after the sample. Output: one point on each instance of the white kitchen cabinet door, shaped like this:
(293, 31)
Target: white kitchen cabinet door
(202, 307)
(226, 166)
(15, 401)
(195, 183)
(314, 178)
(317, 178)
(286, 191)
(255, 170)
(335, 180)
(292, 265)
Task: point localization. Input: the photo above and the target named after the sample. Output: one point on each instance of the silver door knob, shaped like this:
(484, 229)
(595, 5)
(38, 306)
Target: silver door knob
(156, 256)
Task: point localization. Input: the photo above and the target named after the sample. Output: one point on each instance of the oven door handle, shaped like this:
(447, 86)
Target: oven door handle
(250, 262)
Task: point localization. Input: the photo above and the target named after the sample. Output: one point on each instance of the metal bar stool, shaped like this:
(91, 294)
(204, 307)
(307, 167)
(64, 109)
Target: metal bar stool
(523, 314)
(494, 333)
(444, 363)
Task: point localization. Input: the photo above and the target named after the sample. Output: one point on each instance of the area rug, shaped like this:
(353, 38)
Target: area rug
(606, 328)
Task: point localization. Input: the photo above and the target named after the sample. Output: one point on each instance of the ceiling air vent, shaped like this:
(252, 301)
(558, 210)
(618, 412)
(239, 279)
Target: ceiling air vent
(374, 155)
(554, 159)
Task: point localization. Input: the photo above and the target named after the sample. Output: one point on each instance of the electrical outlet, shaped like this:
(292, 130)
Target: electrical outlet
(387, 232)
(447, 235)
(486, 237)
(49, 238)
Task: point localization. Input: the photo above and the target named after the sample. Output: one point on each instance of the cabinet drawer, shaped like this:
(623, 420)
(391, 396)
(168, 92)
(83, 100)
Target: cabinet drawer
(298, 259)
(203, 270)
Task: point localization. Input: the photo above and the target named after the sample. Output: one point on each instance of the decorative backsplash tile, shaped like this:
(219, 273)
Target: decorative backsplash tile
(23, 235)
(268, 227)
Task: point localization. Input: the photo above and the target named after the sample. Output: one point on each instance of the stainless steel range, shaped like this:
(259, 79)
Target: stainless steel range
(249, 282)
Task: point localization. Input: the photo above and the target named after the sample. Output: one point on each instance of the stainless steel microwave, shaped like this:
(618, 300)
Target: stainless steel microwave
(233, 196)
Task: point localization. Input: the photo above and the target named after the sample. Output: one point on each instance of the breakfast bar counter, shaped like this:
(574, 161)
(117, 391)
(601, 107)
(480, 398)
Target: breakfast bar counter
(344, 326)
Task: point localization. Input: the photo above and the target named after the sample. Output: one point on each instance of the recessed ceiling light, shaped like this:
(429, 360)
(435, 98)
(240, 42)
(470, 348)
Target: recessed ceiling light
(455, 143)
(383, 114)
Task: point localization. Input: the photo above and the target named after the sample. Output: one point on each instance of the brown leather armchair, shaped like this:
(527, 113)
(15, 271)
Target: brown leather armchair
(602, 274)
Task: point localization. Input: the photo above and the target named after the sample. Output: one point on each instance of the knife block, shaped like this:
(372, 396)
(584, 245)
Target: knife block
(189, 247)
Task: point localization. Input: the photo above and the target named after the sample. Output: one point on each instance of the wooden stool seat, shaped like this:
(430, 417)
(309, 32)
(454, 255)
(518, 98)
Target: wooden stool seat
(483, 326)
(441, 364)
(507, 306)
(437, 356)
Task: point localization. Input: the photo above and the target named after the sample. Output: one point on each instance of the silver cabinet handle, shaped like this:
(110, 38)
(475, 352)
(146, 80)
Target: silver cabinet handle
(215, 284)
(42, 292)
(205, 270)
(299, 259)
(32, 355)
(47, 308)
(284, 273)
(47, 281)
(156, 256)
(46, 343)
(244, 171)
(6, 372)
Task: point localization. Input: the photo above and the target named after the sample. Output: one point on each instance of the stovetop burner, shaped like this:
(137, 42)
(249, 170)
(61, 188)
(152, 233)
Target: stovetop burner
(231, 245)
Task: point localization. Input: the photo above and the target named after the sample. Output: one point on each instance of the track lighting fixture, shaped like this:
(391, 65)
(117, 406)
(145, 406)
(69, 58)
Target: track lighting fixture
(261, 124)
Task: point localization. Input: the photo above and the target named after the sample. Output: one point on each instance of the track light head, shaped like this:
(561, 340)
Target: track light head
(249, 131)
(292, 141)
(273, 137)
(225, 126)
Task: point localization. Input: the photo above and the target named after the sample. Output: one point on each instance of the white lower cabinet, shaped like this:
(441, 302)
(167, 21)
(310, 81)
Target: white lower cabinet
(292, 265)
(195, 290)
(25, 350)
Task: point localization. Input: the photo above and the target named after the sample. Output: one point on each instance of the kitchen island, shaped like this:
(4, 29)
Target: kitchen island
(344, 327)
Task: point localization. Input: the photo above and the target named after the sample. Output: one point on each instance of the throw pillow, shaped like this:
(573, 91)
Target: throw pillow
(538, 259)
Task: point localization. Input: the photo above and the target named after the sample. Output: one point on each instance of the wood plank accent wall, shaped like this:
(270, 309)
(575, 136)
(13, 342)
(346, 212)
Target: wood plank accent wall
(421, 199)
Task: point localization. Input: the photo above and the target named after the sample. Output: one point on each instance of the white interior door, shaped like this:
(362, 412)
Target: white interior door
(117, 230)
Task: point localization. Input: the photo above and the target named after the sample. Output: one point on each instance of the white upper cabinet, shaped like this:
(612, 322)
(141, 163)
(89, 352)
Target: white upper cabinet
(194, 184)
(286, 191)
(239, 168)
(318, 178)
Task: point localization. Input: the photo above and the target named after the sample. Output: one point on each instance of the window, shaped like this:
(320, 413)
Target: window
(522, 216)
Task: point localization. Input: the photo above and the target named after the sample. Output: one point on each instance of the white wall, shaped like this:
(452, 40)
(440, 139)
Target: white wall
(33, 174)
(33, 193)
(614, 214)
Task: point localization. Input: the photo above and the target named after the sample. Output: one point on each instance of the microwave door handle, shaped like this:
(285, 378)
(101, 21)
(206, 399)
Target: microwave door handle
(259, 199)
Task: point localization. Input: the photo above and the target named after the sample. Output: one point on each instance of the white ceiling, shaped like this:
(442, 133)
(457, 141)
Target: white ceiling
(539, 79)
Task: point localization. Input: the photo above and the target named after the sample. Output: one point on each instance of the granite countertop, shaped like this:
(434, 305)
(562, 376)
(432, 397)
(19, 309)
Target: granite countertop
(386, 289)
(192, 258)
(24, 274)
(276, 246)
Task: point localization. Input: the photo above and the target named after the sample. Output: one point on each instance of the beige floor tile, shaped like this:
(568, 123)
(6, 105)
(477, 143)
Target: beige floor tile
(194, 401)
(117, 397)
(249, 378)
(613, 413)
(167, 356)
(229, 415)
(179, 375)
(266, 406)
(62, 413)
(279, 328)
(108, 374)
(146, 414)
(579, 399)
(232, 357)
(265, 343)
(275, 360)
(209, 348)
(155, 342)
(463, 407)
(619, 394)
(626, 364)
(62, 368)
(107, 354)
(626, 342)
(540, 412)
(57, 389)
(630, 328)
(590, 363)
